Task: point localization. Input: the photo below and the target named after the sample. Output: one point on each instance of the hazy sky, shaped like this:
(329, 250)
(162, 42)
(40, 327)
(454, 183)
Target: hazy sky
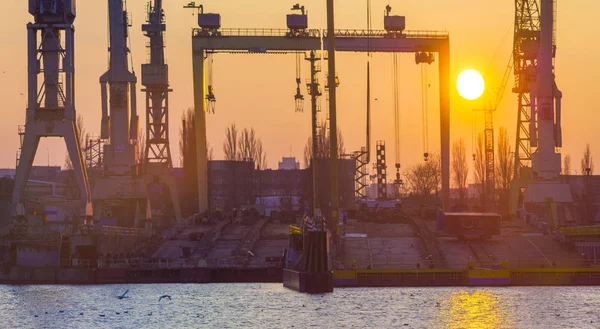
(257, 90)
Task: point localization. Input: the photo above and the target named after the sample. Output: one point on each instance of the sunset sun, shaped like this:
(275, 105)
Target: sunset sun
(470, 84)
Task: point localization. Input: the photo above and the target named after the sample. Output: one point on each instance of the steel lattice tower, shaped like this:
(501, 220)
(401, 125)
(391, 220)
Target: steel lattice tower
(526, 41)
(51, 101)
(381, 169)
(156, 80)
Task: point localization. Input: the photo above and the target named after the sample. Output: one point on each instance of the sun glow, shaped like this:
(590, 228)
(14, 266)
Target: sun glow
(470, 84)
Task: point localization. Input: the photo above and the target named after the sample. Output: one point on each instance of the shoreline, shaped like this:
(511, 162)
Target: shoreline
(341, 278)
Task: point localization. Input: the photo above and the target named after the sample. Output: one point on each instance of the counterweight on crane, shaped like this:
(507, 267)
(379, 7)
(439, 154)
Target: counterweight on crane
(51, 102)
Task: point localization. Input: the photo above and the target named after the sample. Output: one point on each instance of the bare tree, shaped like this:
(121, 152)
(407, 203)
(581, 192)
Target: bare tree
(424, 178)
(82, 136)
(210, 155)
(587, 168)
(186, 129)
(307, 153)
(567, 165)
(323, 145)
(260, 160)
(247, 144)
(140, 144)
(504, 165)
(504, 168)
(340, 142)
(587, 162)
(479, 172)
(230, 145)
(460, 168)
(187, 149)
(187, 139)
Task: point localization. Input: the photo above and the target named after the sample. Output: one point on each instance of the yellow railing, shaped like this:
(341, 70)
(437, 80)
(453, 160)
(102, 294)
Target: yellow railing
(295, 230)
(581, 230)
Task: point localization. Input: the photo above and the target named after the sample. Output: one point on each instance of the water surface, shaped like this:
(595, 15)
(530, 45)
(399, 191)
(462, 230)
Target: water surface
(272, 306)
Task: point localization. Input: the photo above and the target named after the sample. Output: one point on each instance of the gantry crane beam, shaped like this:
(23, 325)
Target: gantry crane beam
(278, 40)
(273, 40)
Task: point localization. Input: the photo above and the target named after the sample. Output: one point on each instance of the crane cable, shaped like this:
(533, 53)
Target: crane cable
(369, 27)
(424, 109)
(299, 98)
(210, 95)
(396, 91)
(473, 133)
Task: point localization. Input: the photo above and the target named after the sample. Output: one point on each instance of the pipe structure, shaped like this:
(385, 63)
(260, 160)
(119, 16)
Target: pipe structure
(314, 94)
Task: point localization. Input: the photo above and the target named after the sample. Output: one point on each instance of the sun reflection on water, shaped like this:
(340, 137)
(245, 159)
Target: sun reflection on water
(477, 309)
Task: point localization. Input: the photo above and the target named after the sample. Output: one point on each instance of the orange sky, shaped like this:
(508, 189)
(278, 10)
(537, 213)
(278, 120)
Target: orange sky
(257, 90)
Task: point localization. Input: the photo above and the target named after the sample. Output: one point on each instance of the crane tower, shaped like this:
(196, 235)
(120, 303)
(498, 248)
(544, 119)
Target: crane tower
(155, 77)
(120, 125)
(120, 193)
(546, 135)
(51, 101)
(526, 41)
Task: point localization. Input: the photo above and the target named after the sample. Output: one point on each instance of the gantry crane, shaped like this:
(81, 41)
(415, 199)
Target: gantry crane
(210, 37)
(51, 102)
(155, 79)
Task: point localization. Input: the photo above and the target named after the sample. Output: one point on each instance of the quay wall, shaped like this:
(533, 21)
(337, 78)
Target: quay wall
(27, 275)
(340, 278)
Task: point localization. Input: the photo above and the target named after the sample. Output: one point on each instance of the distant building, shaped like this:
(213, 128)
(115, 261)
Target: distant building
(230, 184)
(40, 173)
(233, 184)
(282, 182)
(7, 172)
(289, 164)
(372, 191)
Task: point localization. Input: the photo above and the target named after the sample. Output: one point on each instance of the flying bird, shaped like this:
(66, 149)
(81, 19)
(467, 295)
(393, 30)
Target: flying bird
(164, 296)
(124, 295)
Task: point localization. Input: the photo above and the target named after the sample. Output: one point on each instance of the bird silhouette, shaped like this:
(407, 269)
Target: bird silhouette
(164, 296)
(124, 295)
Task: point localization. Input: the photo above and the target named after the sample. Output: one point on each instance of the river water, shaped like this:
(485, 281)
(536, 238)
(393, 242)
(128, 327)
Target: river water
(272, 306)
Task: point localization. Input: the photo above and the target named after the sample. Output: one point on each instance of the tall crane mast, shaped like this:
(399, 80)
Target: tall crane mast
(545, 195)
(525, 46)
(120, 119)
(51, 101)
(546, 102)
(121, 191)
(490, 166)
(156, 80)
